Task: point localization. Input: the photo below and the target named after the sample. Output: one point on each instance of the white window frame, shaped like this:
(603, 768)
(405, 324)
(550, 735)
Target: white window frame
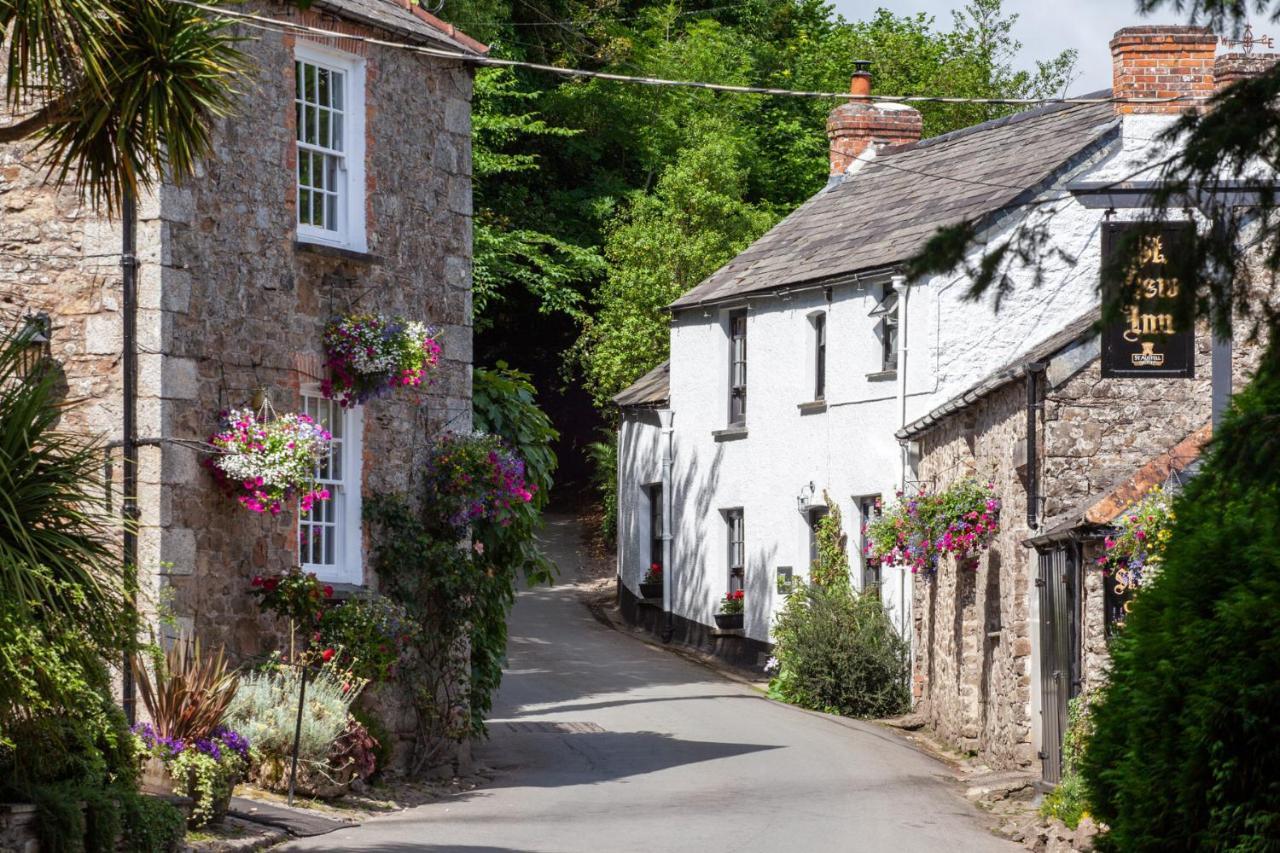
(347, 493)
(736, 548)
(350, 231)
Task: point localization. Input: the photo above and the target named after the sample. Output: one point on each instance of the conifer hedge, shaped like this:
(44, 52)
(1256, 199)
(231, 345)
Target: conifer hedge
(1186, 749)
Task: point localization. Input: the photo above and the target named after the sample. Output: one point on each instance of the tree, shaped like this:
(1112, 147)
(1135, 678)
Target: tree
(115, 92)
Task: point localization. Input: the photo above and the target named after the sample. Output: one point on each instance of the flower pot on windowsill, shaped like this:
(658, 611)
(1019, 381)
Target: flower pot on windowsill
(729, 621)
(651, 590)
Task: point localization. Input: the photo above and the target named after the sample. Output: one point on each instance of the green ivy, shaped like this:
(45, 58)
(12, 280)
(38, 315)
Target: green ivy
(832, 566)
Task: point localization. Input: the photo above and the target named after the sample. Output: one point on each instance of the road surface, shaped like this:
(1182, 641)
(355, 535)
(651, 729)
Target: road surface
(604, 744)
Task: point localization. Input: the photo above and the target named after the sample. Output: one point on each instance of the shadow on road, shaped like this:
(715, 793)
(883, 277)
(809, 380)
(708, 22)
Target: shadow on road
(422, 848)
(559, 759)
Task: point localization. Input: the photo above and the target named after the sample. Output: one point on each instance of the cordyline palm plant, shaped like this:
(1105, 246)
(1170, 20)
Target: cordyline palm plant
(116, 92)
(186, 693)
(60, 584)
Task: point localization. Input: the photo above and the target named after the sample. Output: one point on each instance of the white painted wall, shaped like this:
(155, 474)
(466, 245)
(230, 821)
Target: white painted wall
(848, 450)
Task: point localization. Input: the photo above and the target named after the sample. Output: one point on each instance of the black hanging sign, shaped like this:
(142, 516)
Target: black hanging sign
(1147, 341)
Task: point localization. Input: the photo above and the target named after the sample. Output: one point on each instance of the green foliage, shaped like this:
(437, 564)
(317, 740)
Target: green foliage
(185, 692)
(265, 710)
(695, 221)
(63, 606)
(369, 636)
(603, 455)
(206, 780)
(836, 651)
(151, 825)
(1069, 802)
(832, 566)
(1184, 754)
(126, 90)
(505, 403)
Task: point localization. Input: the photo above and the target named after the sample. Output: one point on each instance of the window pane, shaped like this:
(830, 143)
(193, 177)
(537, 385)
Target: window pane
(304, 206)
(339, 81)
(309, 93)
(317, 210)
(323, 139)
(337, 131)
(297, 80)
(311, 113)
(322, 86)
(331, 212)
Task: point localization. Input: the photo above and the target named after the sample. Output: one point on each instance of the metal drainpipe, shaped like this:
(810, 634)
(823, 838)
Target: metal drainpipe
(1034, 371)
(899, 283)
(129, 499)
(665, 417)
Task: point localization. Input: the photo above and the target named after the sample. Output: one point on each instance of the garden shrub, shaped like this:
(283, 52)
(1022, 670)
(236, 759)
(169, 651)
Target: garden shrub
(379, 732)
(836, 651)
(265, 711)
(1185, 755)
(369, 635)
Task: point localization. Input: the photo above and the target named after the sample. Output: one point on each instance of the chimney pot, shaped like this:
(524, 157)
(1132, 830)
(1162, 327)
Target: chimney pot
(859, 123)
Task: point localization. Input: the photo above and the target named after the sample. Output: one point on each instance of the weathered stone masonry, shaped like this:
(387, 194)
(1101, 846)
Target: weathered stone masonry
(229, 303)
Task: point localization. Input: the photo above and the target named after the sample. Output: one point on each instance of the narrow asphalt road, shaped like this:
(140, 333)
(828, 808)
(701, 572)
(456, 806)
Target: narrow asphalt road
(604, 744)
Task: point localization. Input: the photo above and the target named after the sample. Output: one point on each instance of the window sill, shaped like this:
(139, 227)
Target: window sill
(882, 376)
(817, 407)
(336, 252)
(729, 433)
(346, 591)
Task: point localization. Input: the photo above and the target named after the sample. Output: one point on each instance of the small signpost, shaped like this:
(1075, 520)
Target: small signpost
(1147, 342)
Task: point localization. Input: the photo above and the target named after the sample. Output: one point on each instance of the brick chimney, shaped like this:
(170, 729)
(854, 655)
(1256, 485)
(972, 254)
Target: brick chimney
(855, 124)
(1162, 62)
(1234, 67)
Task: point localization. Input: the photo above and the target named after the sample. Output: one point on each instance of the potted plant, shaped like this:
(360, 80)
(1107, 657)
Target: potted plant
(205, 769)
(369, 355)
(651, 584)
(731, 608)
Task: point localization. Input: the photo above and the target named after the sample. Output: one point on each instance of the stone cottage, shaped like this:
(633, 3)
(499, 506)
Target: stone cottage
(341, 183)
(1070, 432)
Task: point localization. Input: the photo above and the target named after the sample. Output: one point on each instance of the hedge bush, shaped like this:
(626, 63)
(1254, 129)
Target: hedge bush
(837, 652)
(1185, 753)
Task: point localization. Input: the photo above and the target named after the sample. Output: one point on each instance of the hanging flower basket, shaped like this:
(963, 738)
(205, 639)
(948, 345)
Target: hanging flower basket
(651, 584)
(961, 520)
(266, 462)
(369, 355)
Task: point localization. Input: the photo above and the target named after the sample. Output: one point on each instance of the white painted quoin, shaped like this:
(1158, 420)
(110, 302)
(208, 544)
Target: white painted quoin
(837, 257)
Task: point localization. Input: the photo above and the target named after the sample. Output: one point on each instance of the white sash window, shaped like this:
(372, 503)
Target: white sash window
(329, 534)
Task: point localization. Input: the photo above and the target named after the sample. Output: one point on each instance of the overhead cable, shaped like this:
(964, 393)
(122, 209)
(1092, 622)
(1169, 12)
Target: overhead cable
(283, 26)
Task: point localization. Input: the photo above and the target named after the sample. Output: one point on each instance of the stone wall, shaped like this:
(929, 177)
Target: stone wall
(230, 303)
(972, 627)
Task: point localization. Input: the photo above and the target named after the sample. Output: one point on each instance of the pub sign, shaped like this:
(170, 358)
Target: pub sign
(1146, 341)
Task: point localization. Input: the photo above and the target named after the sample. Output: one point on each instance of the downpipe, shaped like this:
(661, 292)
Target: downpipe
(1035, 371)
(129, 440)
(665, 418)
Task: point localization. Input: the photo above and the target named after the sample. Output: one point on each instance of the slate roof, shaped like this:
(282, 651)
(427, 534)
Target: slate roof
(1081, 328)
(652, 389)
(404, 18)
(883, 213)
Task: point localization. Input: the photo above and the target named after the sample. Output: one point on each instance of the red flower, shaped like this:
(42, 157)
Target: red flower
(257, 581)
(737, 596)
(270, 584)
(655, 567)
(328, 591)
(326, 655)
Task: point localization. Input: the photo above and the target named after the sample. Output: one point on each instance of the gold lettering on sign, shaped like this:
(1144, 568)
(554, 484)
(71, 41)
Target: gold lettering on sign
(1141, 323)
(1151, 250)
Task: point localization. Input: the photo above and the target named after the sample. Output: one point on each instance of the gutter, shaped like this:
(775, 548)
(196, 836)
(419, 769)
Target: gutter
(875, 275)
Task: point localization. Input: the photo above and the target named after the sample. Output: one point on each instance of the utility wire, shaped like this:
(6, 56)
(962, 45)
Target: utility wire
(283, 26)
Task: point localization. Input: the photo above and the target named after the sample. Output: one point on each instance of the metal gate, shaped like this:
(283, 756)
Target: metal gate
(1059, 586)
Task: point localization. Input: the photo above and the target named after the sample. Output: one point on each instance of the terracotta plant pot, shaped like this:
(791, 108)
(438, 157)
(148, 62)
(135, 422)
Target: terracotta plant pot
(651, 590)
(729, 621)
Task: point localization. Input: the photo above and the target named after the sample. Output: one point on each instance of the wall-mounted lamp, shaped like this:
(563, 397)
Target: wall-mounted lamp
(36, 335)
(804, 500)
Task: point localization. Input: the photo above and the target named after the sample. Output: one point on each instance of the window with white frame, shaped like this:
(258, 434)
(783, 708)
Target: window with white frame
(887, 312)
(819, 356)
(737, 549)
(329, 537)
(329, 114)
(867, 512)
(738, 368)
